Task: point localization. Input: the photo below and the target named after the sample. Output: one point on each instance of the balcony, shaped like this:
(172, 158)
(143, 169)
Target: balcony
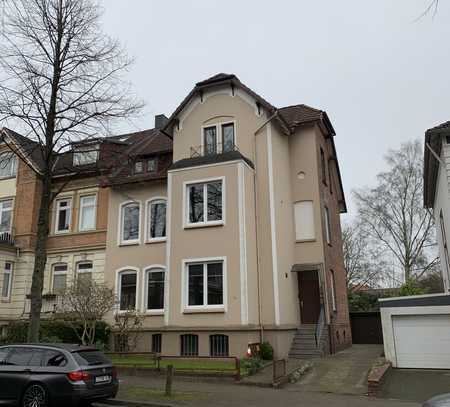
(212, 149)
(51, 304)
(7, 239)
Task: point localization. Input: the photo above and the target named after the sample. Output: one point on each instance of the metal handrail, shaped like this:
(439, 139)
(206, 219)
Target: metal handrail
(319, 326)
(217, 148)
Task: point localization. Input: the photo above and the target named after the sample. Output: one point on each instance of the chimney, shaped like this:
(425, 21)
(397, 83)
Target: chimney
(160, 121)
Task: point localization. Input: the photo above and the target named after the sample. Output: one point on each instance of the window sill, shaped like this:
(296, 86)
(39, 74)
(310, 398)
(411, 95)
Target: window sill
(205, 310)
(204, 224)
(61, 232)
(130, 243)
(156, 240)
(305, 240)
(154, 312)
(7, 177)
(5, 300)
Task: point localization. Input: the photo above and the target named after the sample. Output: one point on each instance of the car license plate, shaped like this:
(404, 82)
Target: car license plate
(102, 379)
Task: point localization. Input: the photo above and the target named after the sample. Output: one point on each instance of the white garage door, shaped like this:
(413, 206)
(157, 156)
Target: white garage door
(422, 341)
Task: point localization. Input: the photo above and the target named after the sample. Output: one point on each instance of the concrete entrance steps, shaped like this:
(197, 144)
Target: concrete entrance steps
(304, 343)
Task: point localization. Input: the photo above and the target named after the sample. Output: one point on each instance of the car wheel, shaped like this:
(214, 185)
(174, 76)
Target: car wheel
(35, 396)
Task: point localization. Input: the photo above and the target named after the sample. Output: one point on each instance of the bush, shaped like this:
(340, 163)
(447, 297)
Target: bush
(251, 365)
(54, 331)
(411, 287)
(266, 350)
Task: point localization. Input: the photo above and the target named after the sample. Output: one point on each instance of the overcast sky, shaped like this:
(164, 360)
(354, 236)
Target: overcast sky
(382, 78)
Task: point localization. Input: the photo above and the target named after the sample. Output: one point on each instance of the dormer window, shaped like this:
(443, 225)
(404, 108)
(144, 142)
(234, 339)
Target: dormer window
(85, 155)
(8, 165)
(138, 167)
(151, 165)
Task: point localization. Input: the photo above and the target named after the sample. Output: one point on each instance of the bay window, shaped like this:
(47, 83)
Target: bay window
(155, 289)
(205, 203)
(88, 205)
(156, 215)
(205, 285)
(6, 207)
(130, 222)
(63, 215)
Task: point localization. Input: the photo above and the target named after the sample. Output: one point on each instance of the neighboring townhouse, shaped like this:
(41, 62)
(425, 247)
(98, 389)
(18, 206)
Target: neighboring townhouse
(78, 220)
(224, 227)
(437, 189)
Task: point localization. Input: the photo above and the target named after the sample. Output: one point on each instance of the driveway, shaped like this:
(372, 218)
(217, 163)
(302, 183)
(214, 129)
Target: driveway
(342, 373)
(415, 385)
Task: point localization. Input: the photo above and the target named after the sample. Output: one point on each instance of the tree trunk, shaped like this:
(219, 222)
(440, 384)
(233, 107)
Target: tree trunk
(40, 261)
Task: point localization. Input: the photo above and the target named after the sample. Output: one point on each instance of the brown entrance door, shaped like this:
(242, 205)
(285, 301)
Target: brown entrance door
(309, 295)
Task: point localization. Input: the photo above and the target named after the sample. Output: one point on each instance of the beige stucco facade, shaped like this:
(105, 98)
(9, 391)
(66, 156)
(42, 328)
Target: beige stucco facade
(255, 239)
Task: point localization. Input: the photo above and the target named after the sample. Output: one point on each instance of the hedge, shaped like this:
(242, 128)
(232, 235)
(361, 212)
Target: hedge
(54, 331)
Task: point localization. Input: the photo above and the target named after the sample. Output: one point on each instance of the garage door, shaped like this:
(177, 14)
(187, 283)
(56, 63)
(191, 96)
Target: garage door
(422, 341)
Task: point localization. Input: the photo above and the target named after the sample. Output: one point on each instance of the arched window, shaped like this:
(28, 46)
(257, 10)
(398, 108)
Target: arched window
(84, 272)
(59, 278)
(189, 345)
(130, 219)
(127, 290)
(156, 218)
(218, 345)
(155, 289)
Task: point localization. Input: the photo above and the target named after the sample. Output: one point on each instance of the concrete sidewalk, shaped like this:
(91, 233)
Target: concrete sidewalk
(227, 394)
(342, 373)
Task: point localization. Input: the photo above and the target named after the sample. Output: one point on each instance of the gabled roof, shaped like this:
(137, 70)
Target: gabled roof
(433, 139)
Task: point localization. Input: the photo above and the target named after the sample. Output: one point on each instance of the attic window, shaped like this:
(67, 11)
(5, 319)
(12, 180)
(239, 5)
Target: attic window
(138, 167)
(85, 155)
(151, 165)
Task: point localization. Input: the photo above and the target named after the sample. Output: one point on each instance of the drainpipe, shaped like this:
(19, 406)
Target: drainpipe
(255, 199)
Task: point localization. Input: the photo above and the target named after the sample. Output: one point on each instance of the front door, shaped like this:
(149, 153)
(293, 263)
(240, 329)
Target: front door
(309, 295)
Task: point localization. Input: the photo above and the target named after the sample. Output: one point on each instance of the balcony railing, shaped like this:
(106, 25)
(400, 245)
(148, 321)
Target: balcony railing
(212, 149)
(51, 304)
(7, 238)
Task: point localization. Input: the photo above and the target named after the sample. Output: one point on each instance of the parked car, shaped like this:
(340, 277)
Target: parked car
(443, 400)
(41, 375)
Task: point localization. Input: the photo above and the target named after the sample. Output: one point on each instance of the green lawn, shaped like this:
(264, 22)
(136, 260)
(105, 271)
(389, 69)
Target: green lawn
(178, 364)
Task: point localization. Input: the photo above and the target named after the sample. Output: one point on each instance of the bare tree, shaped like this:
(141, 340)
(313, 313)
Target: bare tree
(363, 257)
(61, 81)
(86, 302)
(127, 329)
(393, 211)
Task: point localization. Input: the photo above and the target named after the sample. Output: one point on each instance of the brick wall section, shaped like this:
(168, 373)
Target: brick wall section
(26, 207)
(340, 330)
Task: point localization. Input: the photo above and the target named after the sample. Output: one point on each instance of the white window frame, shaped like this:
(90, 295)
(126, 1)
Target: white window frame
(151, 269)
(148, 219)
(327, 225)
(7, 210)
(69, 208)
(186, 223)
(58, 273)
(299, 226)
(10, 272)
(13, 171)
(119, 273)
(78, 271)
(121, 241)
(219, 135)
(185, 307)
(82, 206)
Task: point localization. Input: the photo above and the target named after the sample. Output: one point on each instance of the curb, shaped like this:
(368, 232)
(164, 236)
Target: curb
(376, 377)
(132, 403)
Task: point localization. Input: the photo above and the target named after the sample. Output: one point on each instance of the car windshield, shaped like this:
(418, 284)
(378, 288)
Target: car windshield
(91, 358)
